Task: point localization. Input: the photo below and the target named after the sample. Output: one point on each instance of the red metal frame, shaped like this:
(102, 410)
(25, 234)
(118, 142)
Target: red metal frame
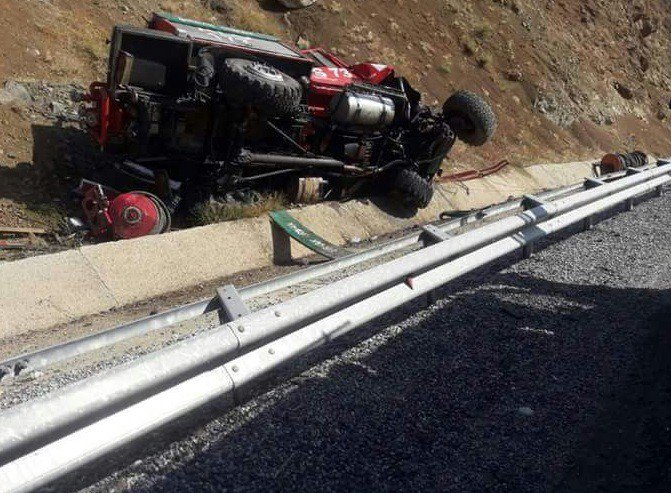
(327, 82)
(109, 116)
(99, 109)
(96, 204)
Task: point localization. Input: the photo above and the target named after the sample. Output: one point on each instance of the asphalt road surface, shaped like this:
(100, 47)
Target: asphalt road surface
(552, 374)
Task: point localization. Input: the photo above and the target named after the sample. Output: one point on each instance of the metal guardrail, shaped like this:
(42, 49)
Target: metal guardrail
(36, 360)
(43, 439)
(42, 358)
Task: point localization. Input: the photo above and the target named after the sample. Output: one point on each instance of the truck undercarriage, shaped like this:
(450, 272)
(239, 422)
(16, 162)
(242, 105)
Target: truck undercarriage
(202, 110)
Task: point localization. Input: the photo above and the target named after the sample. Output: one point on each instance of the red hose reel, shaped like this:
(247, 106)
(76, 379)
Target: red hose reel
(121, 216)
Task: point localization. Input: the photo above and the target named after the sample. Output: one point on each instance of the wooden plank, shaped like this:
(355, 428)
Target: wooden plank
(18, 244)
(25, 231)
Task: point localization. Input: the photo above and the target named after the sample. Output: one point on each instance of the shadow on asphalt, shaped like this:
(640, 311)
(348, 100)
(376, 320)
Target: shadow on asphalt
(440, 406)
(437, 406)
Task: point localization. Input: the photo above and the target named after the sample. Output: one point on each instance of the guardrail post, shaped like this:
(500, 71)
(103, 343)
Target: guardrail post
(430, 236)
(633, 171)
(629, 205)
(596, 169)
(588, 223)
(231, 303)
(658, 192)
(281, 245)
(593, 183)
(529, 202)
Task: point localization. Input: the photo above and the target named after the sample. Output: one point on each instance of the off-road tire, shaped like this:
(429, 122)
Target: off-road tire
(475, 112)
(414, 190)
(242, 83)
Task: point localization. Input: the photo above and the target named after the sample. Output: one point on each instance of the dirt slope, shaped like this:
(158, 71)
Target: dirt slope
(569, 79)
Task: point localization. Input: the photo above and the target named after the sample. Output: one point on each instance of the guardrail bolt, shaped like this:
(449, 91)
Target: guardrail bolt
(241, 328)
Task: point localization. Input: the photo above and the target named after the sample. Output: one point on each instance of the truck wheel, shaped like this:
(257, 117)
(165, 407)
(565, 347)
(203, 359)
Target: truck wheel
(471, 118)
(415, 190)
(250, 82)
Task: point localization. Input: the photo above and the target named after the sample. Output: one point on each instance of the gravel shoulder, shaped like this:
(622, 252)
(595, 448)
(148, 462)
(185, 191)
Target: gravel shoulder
(550, 375)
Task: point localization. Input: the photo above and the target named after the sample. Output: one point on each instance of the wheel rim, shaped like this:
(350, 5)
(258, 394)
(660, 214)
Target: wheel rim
(265, 71)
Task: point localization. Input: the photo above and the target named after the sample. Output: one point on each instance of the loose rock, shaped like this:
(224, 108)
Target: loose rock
(296, 4)
(14, 93)
(623, 91)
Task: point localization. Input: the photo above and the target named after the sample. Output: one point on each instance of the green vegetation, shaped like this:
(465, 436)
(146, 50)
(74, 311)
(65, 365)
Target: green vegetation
(216, 212)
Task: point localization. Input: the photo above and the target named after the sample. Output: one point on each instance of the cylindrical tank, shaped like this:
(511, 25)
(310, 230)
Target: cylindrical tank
(362, 110)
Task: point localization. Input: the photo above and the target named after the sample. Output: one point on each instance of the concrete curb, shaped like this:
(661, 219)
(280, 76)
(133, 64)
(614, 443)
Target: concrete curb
(41, 292)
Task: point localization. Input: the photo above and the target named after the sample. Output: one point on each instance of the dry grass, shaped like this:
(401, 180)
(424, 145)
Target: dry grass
(249, 16)
(49, 215)
(484, 59)
(482, 31)
(75, 48)
(216, 212)
(474, 45)
(242, 14)
(446, 67)
(335, 7)
(469, 45)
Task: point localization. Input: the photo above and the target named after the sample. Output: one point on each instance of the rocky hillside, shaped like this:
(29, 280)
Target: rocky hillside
(569, 79)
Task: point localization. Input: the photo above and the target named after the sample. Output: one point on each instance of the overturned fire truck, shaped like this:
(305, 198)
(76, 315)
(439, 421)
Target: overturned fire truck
(212, 110)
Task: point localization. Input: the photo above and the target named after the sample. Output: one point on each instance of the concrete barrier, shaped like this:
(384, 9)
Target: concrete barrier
(41, 292)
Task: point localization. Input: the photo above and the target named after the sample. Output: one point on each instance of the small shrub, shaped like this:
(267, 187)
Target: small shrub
(446, 67)
(482, 31)
(484, 59)
(216, 212)
(469, 46)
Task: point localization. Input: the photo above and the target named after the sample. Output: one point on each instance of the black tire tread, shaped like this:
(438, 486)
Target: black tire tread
(479, 114)
(242, 86)
(415, 190)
